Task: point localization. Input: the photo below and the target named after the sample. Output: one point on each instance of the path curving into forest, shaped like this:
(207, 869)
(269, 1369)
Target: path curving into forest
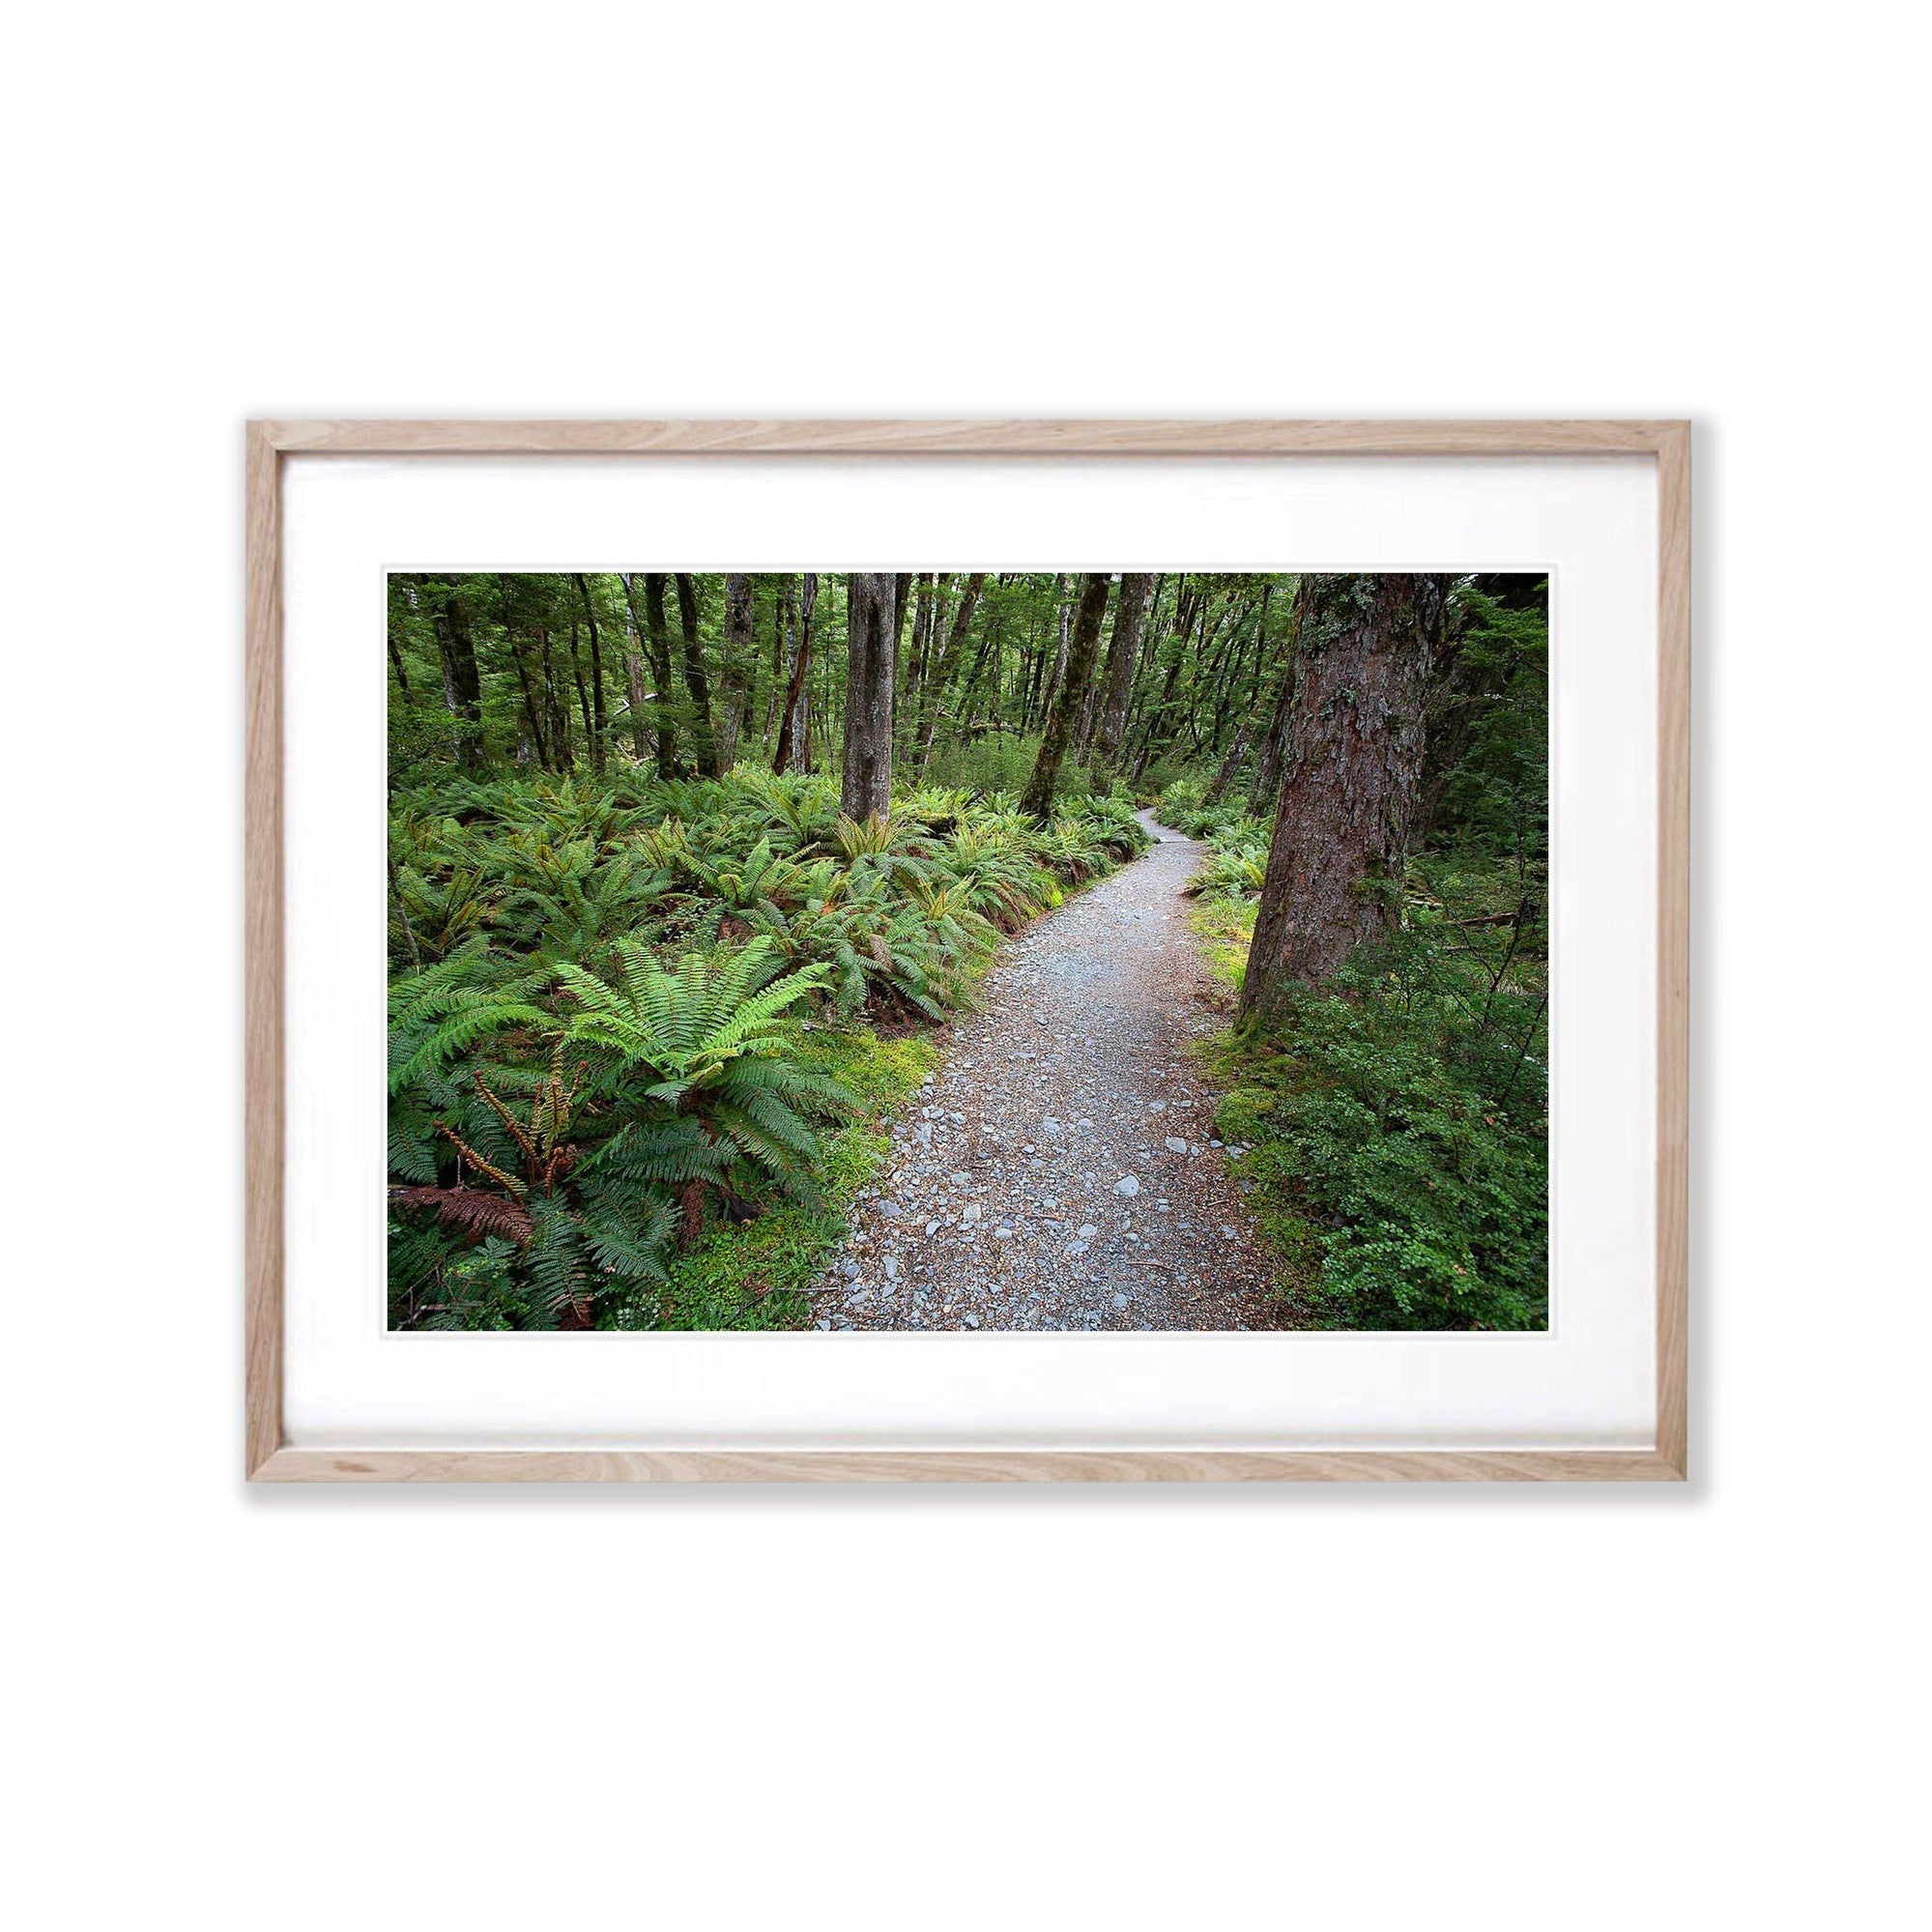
(1060, 1171)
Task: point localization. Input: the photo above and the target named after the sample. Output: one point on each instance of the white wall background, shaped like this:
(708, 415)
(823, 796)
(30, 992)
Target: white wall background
(1330, 1709)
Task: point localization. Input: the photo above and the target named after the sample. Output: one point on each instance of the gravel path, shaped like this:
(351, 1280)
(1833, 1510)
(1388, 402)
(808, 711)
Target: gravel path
(1060, 1171)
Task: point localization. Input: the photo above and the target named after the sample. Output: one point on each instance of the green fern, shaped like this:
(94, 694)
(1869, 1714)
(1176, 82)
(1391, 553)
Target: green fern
(702, 1039)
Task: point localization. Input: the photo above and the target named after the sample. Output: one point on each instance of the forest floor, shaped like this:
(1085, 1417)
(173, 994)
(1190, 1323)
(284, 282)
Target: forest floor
(1060, 1170)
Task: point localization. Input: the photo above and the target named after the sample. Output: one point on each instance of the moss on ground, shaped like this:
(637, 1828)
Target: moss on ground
(1225, 927)
(755, 1274)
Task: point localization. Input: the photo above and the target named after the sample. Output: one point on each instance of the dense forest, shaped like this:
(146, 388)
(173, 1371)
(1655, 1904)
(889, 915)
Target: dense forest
(687, 873)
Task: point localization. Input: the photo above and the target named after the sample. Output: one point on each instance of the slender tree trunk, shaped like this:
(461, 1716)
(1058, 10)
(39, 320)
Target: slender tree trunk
(1348, 802)
(1063, 598)
(583, 694)
(396, 658)
(910, 666)
(1186, 604)
(868, 738)
(1244, 734)
(598, 714)
(740, 652)
(528, 700)
(557, 707)
(1237, 751)
(640, 731)
(461, 684)
(659, 633)
(795, 738)
(1130, 621)
(1083, 650)
(940, 675)
(781, 609)
(1275, 740)
(695, 682)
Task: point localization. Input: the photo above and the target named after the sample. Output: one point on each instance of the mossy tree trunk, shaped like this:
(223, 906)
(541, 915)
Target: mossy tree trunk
(462, 683)
(870, 614)
(598, 724)
(1347, 812)
(640, 730)
(794, 739)
(704, 738)
(1123, 654)
(1083, 650)
(740, 655)
(659, 631)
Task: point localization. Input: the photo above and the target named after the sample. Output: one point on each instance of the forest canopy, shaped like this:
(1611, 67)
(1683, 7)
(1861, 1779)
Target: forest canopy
(684, 869)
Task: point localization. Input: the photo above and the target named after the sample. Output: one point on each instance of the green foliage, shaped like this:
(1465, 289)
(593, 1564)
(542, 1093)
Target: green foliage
(993, 763)
(552, 1232)
(702, 1043)
(625, 1010)
(1398, 1131)
(636, 954)
(754, 1273)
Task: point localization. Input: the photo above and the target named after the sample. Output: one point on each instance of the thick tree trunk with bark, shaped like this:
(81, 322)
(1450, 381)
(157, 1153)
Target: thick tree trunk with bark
(1130, 623)
(1063, 598)
(1347, 813)
(1081, 651)
(695, 682)
(794, 737)
(871, 599)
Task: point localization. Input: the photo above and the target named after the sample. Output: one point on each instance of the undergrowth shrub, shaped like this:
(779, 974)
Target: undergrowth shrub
(1397, 1120)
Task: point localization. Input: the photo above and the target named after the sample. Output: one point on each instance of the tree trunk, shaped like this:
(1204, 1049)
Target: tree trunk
(1280, 714)
(1063, 598)
(462, 685)
(795, 736)
(910, 666)
(1231, 763)
(537, 733)
(1130, 623)
(639, 737)
(598, 714)
(867, 789)
(462, 682)
(941, 673)
(583, 692)
(695, 681)
(739, 652)
(1367, 648)
(1081, 651)
(781, 606)
(1187, 603)
(557, 708)
(659, 634)
(1244, 734)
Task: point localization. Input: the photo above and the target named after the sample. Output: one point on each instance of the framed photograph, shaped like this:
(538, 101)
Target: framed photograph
(968, 951)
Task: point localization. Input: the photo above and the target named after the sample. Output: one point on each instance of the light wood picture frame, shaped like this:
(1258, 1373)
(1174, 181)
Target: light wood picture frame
(271, 1457)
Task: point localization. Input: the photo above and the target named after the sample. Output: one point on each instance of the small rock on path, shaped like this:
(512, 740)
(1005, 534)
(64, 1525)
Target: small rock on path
(1061, 1170)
